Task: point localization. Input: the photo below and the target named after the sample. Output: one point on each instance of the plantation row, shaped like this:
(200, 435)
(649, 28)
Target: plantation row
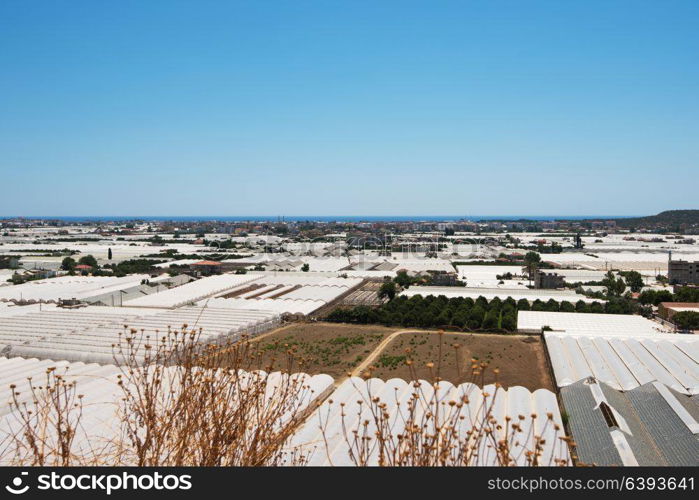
(464, 313)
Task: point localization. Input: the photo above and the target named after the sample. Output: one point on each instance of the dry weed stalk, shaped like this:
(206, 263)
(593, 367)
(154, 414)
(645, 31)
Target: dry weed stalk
(187, 403)
(180, 402)
(184, 402)
(47, 421)
(429, 429)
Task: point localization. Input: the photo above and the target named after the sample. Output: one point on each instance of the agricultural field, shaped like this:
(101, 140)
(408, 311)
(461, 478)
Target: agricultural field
(521, 360)
(365, 295)
(320, 347)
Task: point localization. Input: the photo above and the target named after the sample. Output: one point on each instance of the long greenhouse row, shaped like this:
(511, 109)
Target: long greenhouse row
(75, 335)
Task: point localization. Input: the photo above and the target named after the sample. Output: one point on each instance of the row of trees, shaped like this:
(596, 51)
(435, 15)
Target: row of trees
(686, 320)
(133, 266)
(69, 263)
(431, 311)
(463, 313)
(655, 297)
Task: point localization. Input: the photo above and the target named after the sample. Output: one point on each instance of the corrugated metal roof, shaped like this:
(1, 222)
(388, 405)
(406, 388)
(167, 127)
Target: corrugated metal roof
(650, 425)
(594, 444)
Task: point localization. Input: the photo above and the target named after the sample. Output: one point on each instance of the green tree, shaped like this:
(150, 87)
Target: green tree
(523, 305)
(68, 264)
(552, 306)
(685, 294)
(490, 321)
(88, 260)
(596, 307)
(475, 318)
(445, 319)
(686, 320)
(567, 306)
(531, 263)
(402, 279)
(667, 296)
(387, 290)
(509, 322)
(647, 297)
(615, 286)
(620, 286)
(634, 280)
(109, 254)
(305, 268)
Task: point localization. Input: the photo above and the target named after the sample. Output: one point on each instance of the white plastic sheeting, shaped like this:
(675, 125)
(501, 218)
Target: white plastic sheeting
(288, 262)
(18, 371)
(276, 305)
(193, 291)
(96, 383)
(416, 265)
(353, 400)
(100, 248)
(484, 276)
(8, 309)
(90, 336)
(281, 293)
(67, 287)
(626, 362)
(589, 323)
(101, 395)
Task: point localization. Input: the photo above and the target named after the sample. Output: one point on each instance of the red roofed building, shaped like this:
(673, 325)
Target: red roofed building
(667, 310)
(83, 268)
(207, 267)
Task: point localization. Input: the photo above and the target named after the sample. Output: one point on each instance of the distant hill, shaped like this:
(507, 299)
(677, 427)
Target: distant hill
(667, 218)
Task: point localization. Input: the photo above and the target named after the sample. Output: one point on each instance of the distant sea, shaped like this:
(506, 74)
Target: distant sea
(322, 218)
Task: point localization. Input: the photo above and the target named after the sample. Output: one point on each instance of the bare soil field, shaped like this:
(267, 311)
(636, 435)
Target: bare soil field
(521, 360)
(330, 348)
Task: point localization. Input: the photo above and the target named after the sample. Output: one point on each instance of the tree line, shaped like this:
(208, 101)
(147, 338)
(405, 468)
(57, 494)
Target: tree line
(464, 313)
(655, 297)
(686, 320)
(121, 269)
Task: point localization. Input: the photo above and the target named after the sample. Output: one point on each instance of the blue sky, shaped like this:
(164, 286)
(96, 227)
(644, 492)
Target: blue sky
(361, 107)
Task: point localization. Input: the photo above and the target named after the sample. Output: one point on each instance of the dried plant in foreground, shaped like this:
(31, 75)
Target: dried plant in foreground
(187, 403)
(176, 401)
(47, 420)
(439, 424)
(179, 401)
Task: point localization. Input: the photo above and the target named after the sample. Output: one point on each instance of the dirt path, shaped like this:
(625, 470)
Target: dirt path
(382, 345)
(519, 359)
(376, 352)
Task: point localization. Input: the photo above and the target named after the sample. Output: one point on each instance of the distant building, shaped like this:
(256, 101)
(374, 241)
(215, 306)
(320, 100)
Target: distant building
(206, 267)
(443, 279)
(682, 272)
(667, 310)
(543, 279)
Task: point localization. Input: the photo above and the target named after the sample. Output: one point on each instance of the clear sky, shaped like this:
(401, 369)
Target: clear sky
(353, 108)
